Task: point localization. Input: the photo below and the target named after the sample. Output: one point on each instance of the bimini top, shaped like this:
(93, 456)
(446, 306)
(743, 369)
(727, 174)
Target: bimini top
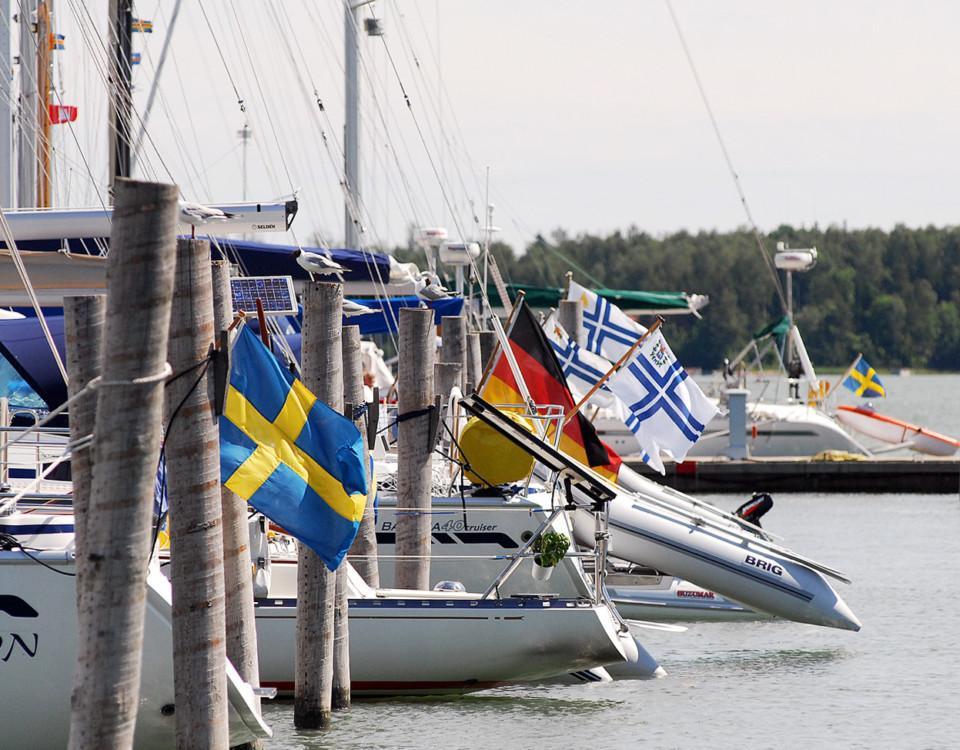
(646, 303)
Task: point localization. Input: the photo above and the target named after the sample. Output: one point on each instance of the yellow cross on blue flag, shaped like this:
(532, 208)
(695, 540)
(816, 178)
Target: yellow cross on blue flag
(863, 381)
(290, 456)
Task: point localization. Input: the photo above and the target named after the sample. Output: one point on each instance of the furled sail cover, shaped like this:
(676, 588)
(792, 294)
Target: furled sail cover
(53, 275)
(264, 259)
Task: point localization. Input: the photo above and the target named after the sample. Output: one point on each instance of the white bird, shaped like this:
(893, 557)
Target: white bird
(195, 213)
(431, 288)
(315, 263)
(351, 308)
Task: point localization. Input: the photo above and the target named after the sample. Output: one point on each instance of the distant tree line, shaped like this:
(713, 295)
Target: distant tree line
(895, 296)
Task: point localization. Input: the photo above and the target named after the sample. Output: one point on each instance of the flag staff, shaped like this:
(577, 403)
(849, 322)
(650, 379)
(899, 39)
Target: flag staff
(610, 373)
(845, 375)
(501, 341)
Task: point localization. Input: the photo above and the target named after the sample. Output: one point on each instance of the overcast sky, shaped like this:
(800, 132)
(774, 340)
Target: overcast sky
(586, 114)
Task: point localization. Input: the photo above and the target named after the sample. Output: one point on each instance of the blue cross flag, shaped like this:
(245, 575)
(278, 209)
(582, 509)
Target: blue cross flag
(668, 411)
(581, 368)
(609, 330)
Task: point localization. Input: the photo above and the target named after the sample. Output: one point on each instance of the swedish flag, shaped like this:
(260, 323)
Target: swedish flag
(863, 380)
(290, 456)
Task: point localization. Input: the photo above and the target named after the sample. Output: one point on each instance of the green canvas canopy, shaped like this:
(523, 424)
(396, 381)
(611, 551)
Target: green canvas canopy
(645, 303)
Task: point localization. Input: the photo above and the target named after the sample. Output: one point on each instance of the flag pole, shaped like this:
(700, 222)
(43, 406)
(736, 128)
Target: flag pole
(493, 359)
(612, 371)
(846, 374)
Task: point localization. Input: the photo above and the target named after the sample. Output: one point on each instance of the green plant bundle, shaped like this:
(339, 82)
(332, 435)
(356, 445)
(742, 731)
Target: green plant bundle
(550, 548)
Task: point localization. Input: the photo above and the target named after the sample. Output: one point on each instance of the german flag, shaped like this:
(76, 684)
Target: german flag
(545, 382)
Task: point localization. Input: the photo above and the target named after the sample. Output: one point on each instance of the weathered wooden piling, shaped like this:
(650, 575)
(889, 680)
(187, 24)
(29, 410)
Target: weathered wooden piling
(488, 343)
(453, 347)
(239, 612)
(83, 319)
(474, 363)
(446, 375)
(570, 315)
(365, 545)
(193, 486)
(106, 686)
(321, 360)
(415, 406)
(340, 693)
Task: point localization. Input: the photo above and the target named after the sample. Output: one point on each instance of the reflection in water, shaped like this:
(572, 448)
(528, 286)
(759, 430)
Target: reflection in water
(773, 660)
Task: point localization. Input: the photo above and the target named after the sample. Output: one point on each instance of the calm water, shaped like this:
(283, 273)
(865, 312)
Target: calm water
(895, 684)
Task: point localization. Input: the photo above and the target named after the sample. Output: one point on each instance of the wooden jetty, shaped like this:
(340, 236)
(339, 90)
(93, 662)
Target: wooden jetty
(885, 474)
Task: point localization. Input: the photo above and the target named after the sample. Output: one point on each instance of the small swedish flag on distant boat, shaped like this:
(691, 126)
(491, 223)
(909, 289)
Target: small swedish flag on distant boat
(142, 26)
(863, 380)
(290, 456)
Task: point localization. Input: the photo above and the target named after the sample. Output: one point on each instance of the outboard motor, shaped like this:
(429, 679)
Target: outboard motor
(755, 508)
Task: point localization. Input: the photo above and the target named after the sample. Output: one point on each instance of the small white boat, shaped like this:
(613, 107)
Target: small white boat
(714, 555)
(895, 431)
(655, 597)
(37, 646)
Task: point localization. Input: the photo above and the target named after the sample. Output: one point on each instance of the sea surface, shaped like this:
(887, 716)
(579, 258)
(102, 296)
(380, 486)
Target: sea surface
(773, 684)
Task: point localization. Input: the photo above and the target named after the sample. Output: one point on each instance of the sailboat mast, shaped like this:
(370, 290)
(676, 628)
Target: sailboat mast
(121, 33)
(27, 114)
(44, 77)
(6, 115)
(351, 135)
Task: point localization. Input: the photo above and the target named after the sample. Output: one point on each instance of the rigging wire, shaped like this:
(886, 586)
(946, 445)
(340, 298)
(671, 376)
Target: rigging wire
(726, 155)
(267, 108)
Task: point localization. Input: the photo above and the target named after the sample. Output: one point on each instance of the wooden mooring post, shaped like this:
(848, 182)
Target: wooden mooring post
(193, 486)
(570, 315)
(321, 365)
(83, 319)
(106, 685)
(416, 419)
(453, 347)
(474, 363)
(239, 612)
(488, 344)
(365, 545)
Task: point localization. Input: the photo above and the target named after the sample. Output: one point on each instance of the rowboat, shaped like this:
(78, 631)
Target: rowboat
(895, 431)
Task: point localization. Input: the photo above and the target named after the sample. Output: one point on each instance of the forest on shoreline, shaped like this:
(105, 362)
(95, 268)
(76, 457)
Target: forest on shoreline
(893, 295)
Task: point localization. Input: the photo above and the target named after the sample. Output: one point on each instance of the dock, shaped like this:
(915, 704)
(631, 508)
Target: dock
(875, 475)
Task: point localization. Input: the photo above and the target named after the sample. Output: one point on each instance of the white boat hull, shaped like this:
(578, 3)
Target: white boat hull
(469, 546)
(669, 599)
(37, 657)
(773, 430)
(441, 646)
(718, 560)
(895, 431)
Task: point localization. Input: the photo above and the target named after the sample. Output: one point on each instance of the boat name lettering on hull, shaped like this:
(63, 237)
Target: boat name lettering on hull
(696, 594)
(11, 643)
(764, 565)
(447, 526)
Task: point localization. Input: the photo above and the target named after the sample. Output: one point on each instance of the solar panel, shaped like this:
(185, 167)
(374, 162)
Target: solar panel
(274, 292)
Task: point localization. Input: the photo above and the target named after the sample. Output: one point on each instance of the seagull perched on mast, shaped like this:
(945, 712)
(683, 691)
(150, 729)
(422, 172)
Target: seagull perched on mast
(315, 263)
(431, 288)
(196, 213)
